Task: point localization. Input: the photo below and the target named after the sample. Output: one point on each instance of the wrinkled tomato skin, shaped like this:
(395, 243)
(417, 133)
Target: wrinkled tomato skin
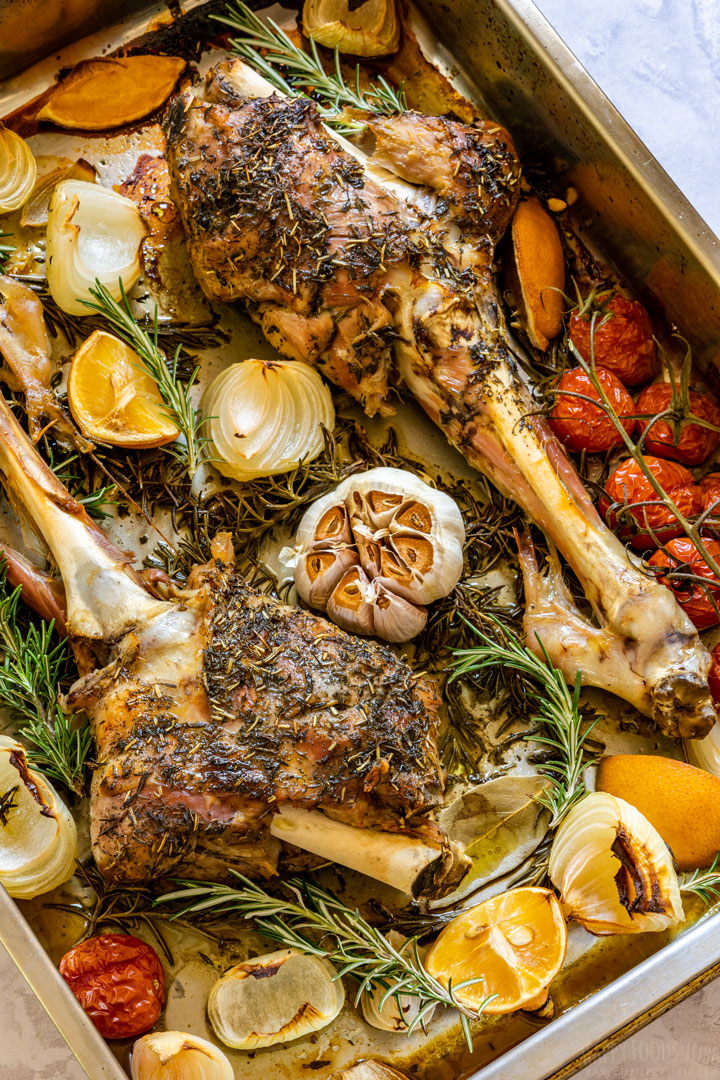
(714, 675)
(119, 981)
(710, 493)
(579, 424)
(696, 443)
(624, 344)
(627, 484)
(691, 596)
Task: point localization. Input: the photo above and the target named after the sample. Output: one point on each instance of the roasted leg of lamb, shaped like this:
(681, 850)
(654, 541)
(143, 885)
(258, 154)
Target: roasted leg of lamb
(349, 263)
(215, 712)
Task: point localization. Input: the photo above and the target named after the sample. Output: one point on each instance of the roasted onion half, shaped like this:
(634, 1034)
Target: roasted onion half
(38, 840)
(370, 28)
(266, 416)
(18, 171)
(614, 872)
(92, 234)
(274, 998)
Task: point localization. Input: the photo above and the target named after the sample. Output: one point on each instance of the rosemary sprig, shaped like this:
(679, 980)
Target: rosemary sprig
(557, 712)
(30, 673)
(314, 920)
(7, 803)
(177, 397)
(305, 71)
(704, 883)
(97, 502)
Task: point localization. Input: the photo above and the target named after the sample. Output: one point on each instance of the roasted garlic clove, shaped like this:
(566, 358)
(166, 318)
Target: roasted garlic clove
(614, 872)
(325, 522)
(171, 1055)
(319, 570)
(350, 605)
(395, 1012)
(395, 618)
(370, 28)
(274, 998)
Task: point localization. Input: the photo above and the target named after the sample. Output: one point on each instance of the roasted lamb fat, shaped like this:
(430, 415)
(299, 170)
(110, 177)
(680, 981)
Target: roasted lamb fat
(215, 710)
(348, 261)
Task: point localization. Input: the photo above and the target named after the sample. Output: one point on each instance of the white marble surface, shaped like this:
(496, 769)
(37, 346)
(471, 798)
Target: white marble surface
(659, 62)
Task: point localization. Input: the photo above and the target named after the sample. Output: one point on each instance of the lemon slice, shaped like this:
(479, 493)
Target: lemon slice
(113, 91)
(112, 398)
(514, 944)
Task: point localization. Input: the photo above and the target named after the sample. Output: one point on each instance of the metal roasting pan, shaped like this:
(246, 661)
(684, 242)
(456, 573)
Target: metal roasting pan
(507, 52)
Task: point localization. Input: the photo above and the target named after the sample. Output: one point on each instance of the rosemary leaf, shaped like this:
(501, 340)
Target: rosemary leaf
(30, 672)
(315, 921)
(557, 712)
(7, 803)
(704, 883)
(190, 446)
(289, 69)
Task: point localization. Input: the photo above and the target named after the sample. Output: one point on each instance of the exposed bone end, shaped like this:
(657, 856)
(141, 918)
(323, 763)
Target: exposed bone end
(410, 864)
(682, 705)
(661, 670)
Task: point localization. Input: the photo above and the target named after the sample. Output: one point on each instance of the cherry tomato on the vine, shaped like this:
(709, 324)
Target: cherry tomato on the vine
(623, 343)
(119, 981)
(691, 595)
(578, 423)
(655, 522)
(710, 493)
(696, 443)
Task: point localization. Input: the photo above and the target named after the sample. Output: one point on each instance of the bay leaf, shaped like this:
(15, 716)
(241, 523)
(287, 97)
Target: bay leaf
(498, 824)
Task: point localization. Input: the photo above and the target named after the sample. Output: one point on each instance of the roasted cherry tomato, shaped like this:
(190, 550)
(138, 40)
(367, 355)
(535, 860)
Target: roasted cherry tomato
(119, 981)
(623, 343)
(696, 443)
(714, 674)
(690, 594)
(627, 484)
(578, 423)
(710, 493)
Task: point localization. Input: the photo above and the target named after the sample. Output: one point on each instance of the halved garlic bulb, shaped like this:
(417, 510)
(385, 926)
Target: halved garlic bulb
(266, 416)
(368, 28)
(614, 872)
(38, 839)
(408, 539)
(92, 234)
(171, 1055)
(18, 170)
(274, 998)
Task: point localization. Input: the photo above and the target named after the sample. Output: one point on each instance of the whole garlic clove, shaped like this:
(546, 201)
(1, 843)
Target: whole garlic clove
(396, 619)
(318, 571)
(274, 998)
(350, 605)
(371, 28)
(394, 1013)
(614, 872)
(167, 1055)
